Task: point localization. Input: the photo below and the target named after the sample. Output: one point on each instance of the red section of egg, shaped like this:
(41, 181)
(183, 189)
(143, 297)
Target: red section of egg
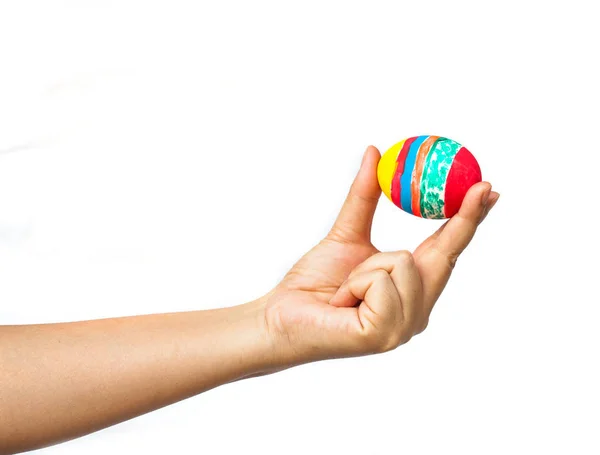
(464, 173)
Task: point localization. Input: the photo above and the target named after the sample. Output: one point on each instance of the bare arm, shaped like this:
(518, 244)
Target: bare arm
(60, 381)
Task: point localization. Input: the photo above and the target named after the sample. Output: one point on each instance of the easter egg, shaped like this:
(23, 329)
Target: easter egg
(428, 176)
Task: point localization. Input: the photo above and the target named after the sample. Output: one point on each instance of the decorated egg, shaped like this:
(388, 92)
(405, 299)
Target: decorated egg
(428, 176)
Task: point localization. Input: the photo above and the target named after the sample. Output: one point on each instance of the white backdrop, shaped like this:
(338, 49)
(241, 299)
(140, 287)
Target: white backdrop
(165, 156)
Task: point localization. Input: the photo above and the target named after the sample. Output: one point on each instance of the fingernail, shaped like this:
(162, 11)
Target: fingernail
(492, 201)
(485, 196)
(364, 157)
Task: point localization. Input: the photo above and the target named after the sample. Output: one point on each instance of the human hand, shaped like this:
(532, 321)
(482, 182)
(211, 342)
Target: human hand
(343, 298)
(346, 298)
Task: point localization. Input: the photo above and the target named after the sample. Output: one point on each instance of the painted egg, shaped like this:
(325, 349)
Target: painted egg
(428, 176)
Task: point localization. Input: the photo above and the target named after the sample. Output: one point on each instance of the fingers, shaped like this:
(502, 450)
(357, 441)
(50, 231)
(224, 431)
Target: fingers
(492, 199)
(459, 231)
(490, 204)
(353, 224)
(389, 288)
(437, 256)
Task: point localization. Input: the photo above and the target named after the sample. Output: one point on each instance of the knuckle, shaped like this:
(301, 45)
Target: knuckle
(404, 257)
(422, 326)
(388, 344)
(381, 276)
(358, 197)
(450, 257)
(375, 258)
(404, 338)
(395, 339)
(341, 234)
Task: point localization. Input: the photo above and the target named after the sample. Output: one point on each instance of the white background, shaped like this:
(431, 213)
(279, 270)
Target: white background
(165, 156)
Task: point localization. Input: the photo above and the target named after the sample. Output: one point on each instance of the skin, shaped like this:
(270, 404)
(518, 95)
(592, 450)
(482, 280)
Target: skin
(343, 298)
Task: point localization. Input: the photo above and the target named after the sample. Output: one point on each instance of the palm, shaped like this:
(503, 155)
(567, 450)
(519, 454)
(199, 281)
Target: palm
(302, 298)
(324, 268)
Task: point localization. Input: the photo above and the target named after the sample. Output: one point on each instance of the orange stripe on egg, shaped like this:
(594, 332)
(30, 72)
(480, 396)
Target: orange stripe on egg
(415, 184)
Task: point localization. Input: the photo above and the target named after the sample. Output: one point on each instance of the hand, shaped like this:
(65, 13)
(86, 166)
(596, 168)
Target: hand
(345, 298)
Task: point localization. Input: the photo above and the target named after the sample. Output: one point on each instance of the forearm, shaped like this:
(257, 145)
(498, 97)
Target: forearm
(60, 381)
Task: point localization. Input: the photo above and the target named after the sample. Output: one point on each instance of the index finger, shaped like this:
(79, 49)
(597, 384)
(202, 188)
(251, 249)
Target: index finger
(459, 231)
(437, 256)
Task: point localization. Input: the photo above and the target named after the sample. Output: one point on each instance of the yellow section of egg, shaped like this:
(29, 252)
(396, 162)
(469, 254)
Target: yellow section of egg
(387, 168)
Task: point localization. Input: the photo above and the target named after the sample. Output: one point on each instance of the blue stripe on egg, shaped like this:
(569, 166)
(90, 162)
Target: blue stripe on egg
(406, 178)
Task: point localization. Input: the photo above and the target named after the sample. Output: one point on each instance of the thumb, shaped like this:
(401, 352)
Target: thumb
(353, 224)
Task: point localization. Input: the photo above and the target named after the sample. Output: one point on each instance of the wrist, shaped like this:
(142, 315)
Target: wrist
(261, 352)
(274, 351)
